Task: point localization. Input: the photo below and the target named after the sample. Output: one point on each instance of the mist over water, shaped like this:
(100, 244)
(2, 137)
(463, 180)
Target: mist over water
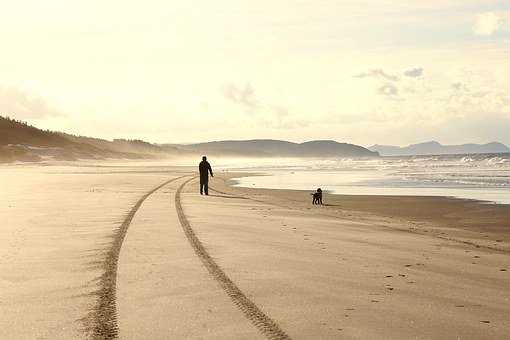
(481, 176)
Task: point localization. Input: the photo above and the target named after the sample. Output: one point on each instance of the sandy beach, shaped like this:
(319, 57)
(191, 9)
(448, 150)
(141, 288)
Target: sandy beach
(238, 170)
(134, 252)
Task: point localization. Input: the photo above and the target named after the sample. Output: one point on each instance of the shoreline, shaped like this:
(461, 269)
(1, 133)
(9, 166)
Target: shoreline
(233, 181)
(487, 195)
(473, 222)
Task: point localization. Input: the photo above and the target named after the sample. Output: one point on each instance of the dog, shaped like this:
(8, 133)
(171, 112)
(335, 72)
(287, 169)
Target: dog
(317, 197)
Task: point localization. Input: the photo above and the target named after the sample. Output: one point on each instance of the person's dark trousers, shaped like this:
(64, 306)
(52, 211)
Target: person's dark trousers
(204, 187)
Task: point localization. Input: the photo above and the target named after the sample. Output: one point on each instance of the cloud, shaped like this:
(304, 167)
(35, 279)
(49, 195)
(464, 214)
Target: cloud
(280, 111)
(414, 72)
(18, 104)
(265, 113)
(388, 89)
(281, 118)
(458, 86)
(377, 73)
(241, 95)
(487, 23)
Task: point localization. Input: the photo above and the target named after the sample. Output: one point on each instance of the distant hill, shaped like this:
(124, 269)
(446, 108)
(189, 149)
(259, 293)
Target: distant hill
(435, 148)
(22, 142)
(279, 148)
(136, 146)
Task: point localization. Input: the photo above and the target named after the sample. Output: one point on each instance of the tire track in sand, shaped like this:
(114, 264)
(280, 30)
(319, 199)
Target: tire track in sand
(101, 322)
(261, 321)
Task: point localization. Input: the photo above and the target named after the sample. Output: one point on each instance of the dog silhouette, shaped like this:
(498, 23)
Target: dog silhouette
(317, 197)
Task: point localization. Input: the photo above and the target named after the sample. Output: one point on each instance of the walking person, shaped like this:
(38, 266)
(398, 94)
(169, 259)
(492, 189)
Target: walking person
(204, 168)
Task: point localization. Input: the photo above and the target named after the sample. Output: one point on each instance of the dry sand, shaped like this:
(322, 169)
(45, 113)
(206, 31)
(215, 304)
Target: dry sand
(106, 252)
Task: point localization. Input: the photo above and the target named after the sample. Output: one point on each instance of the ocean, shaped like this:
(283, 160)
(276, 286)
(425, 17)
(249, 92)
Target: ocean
(483, 177)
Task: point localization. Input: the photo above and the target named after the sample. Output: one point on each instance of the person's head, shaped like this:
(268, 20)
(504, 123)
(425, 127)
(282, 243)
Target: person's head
(204, 158)
(319, 190)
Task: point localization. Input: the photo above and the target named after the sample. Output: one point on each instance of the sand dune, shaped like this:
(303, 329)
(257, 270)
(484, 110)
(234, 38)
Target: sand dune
(131, 252)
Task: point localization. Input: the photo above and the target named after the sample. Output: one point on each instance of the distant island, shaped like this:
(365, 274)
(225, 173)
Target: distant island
(22, 142)
(436, 148)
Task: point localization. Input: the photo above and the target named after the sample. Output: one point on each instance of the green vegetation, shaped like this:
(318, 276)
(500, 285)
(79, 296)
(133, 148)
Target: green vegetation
(20, 141)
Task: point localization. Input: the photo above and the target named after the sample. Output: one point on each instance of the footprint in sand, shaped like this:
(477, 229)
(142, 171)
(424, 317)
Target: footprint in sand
(502, 270)
(402, 275)
(389, 276)
(459, 306)
(350, 309)
(476, 257)
(485, 321)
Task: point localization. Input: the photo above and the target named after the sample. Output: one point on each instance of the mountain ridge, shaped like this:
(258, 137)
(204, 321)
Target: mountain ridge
(279, 148)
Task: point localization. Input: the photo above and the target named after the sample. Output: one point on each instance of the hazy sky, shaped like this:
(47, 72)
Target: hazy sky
(360, 71)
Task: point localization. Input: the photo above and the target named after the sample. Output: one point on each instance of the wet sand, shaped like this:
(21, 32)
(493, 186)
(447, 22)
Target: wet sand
(100, 252)
(479, 223)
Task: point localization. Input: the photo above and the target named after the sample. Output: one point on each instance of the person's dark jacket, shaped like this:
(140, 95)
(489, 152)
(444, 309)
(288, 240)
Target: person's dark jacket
(205, 168)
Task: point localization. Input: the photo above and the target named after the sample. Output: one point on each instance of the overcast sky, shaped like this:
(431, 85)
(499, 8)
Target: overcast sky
(360, 71)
